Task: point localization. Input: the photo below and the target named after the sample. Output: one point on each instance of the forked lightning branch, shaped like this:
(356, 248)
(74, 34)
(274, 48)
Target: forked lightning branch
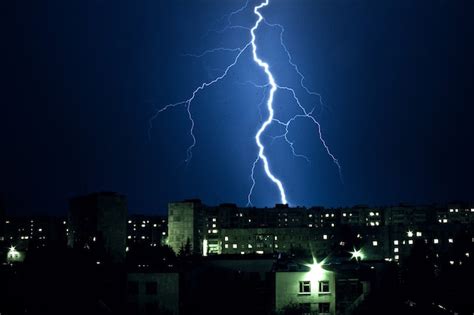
(272, 86)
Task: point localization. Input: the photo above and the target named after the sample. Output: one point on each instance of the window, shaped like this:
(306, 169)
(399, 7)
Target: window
(305, 308)
(323, 308)
(132, 287)
(305, 287)
(151, 287)
(375, 243)
(323, 286)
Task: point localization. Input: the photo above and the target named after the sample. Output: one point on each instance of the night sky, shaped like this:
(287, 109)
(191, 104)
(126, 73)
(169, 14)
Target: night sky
(81, 79)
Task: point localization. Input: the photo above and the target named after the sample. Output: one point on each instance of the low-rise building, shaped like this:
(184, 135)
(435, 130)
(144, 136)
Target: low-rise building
(153, 293)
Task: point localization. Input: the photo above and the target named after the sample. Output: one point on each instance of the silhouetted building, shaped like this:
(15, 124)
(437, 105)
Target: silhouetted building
(97, 222)
(146, 231)
(2, 221)
(25, 233)
(153, 293)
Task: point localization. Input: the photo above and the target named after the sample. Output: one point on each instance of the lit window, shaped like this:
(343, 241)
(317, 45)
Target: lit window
(323, 286)
(129, 237)
(325, 237)
(418, 234)
(410, 242)
(154, 225)
(260, 252)
(451, 210)
(213, 219)
(226, 245)
(450, 240)
(410, 234)
(332, 224)
(214, 231)
(371, 214)
(395, 250)
(129, 221)
(395, 242)
(327, 215)
(234, 245)
(397, 257)
(310, 215)
(213, 225)
(249, 245)
(375, 243)
(436, 241)
(445, 220)
(276, 238)
(305, 287)
(344, 214)
(451, 262)
(143, 237)
(226, 238)
(310, 225)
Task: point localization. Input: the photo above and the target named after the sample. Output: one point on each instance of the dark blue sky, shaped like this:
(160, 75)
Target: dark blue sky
(80, 79)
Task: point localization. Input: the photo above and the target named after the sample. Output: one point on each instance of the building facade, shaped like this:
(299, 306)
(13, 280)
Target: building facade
(381, 233)
(153, 293)
(312, 291)
(97, 222)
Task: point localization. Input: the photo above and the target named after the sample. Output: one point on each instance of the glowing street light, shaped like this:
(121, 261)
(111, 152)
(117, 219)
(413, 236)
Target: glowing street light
(357, 254)
(13, 254)
(316, 271)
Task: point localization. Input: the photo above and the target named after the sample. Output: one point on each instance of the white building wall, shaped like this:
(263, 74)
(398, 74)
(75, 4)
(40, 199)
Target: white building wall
(287, 290)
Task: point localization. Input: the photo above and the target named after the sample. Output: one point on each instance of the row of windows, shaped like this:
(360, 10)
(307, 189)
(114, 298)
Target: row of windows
(305, 287)
(323, 308)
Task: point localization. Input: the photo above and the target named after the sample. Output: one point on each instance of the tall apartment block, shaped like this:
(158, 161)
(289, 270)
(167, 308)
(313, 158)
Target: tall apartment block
(97, 222)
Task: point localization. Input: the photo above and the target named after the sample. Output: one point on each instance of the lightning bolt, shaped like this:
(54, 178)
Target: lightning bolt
(270, 87)
(273, 88)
